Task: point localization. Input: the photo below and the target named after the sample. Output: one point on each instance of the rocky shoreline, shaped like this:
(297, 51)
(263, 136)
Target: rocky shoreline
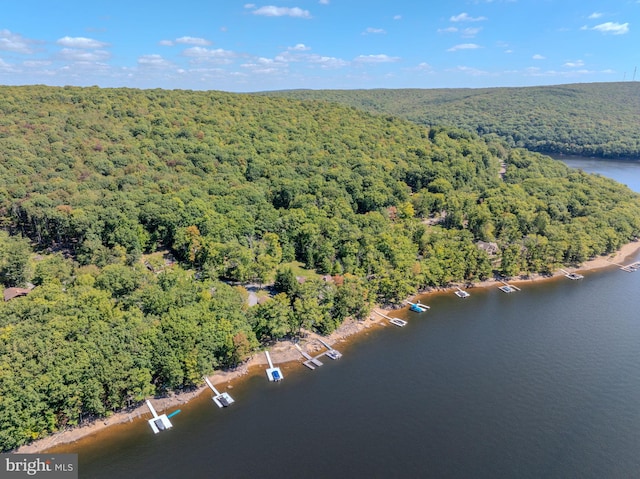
(284, 352)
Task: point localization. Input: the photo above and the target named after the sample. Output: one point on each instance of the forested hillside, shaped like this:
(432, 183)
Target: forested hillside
(590, 119)
(98, 187)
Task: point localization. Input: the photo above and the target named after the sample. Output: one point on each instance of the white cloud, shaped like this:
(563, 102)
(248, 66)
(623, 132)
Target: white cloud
(327, 63)
(447, 30)
(324, 2)
(375, 31)
(202, 42)
(153, 61)
(464, 46)
(312, 60)
(465, 17)
(271, 11)
(80, 42)
(299, 47)
(471, 71)
(13, 42)
(470, 32)
(193, 41)
(36, 63)
(594, 15)
(423, 67)
(218, 55)
(537, 72)
(381, 58)
(612, 27)
(537, 56)
(77, 55)
(397, 17)
(266, 66)
(4, 66)
(575, 64)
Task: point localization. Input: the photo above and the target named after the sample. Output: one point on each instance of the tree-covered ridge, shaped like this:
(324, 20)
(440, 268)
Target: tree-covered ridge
(96, 184)
(590, 119)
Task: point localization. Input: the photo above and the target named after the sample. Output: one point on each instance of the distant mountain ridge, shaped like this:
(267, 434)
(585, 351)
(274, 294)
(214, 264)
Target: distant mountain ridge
(589, 119)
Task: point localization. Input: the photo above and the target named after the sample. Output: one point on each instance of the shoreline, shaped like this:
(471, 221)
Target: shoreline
(283, 352)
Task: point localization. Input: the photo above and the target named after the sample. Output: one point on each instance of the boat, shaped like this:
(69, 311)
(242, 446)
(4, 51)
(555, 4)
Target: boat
(417, 307)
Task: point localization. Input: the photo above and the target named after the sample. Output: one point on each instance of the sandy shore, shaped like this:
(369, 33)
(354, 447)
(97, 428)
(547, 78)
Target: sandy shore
(284, 352)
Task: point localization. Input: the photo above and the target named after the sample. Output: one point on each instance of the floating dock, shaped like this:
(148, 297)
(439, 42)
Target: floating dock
(573, 276)
(158, 423)
(397, 321)
(461, 293)
(418, 307)
(331, 353)
(508, 288)
(310, 362)
(630, 268)
(221, 399)
(273, 373)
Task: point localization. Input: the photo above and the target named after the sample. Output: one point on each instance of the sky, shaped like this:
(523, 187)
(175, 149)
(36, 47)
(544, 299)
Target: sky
(236, 46)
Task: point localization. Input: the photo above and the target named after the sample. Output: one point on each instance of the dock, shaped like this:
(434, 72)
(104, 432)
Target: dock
(158, 422)
(221, 399)
(310, 362)
(273, 373)
(330, 352)
(508, 288)
(574, 276)
(397, 321)
(461, 293)
(313, 361)
(418, 307)
(631, 268)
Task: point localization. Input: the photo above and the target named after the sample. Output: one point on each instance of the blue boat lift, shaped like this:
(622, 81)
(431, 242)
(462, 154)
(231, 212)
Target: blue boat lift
(418, 307)
(273, 373)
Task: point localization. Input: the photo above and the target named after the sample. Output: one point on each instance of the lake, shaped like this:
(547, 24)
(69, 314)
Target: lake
(623, 171)
(541, 383)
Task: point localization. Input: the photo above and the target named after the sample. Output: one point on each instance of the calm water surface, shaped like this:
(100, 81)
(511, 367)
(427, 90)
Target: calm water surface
(623, 171)
(543, 383)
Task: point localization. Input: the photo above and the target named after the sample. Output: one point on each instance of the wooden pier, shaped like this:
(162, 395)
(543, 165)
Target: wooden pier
(313, 361)
(508, 288)
(221, 399)
(273, 373)
(158, 422)
(631, 268)
(310, 362)
(461, 293)
(574, 276)
(397, 321)
(330, 352)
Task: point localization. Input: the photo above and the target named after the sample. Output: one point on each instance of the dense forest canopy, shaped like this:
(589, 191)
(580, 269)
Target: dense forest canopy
(98, 187)
(590, 119)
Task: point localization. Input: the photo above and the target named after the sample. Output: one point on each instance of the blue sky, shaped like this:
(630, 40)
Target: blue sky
(339, 44)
